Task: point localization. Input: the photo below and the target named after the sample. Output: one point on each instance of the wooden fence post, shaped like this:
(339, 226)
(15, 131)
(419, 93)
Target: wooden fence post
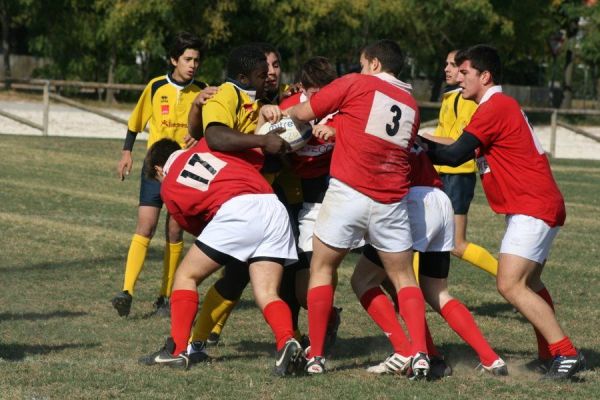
(553, 133)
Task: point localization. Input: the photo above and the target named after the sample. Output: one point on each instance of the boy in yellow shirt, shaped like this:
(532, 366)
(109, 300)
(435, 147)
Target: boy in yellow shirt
(164, 104)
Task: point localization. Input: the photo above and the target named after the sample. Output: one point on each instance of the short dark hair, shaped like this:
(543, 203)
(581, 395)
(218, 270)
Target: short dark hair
(389, 54)
(268, 48)
(482, 58)
(157, 155)
(183, 41)
(316, 73)
(244, 59)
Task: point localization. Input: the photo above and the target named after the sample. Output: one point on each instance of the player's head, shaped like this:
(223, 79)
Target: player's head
(184, 56)
(314, 74)
(248, 65)
(451, 69)
(274, 73)
(381, 56)
(479, 69)
(157, 156)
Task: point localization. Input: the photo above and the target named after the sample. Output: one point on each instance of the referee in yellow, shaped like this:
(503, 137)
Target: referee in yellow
(459, 182)
(165, 104)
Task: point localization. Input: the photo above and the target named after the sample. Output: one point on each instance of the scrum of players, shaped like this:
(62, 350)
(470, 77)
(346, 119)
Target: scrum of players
(365, 181)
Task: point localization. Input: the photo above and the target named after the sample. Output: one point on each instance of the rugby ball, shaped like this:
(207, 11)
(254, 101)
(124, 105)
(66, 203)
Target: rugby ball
(297, 135)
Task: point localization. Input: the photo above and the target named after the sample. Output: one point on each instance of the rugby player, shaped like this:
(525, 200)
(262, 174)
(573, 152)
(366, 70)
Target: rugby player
(431, 221)
(518, 182)
(378, 121)
(165, 103)
(459, 182)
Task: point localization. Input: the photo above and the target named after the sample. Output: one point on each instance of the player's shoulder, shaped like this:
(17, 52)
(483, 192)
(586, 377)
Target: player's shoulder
(199, 84)
(157, 82)
(226, 93)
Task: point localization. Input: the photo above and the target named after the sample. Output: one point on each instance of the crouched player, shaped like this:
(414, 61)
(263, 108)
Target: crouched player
(217, 195)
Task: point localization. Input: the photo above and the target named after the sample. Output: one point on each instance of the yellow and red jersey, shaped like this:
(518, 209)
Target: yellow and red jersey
(165, 104)
(455, 114)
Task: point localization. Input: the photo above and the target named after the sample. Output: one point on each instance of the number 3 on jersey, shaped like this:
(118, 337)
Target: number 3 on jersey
(200, 170)
(391, 120)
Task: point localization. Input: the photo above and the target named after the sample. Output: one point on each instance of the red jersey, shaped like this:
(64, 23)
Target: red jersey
(376, 126)
(198, 181)
(515, 172)
(422, 172)
(312, 160)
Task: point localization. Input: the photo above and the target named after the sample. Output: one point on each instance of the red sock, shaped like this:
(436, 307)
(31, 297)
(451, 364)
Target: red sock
(320, 301)
(184, 305)
(463, 323)
(381, 310)
(412, 310)
(431, 349)
(279, 317)
(563, 347)
(543, 348)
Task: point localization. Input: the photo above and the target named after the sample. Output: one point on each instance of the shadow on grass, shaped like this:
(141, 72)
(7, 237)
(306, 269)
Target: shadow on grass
(503, 310)
(33, 316)
(17, 352)
(80, 264)
(59, 265)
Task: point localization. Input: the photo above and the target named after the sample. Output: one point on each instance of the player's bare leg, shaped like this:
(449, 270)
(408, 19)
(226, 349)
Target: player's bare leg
(399, 269)
(147, 220)
(513, 274)
(265, 277)
(172, 254)
(460, 235)
(324, 263)
(146, 226)
(195, 267)
(462, 322)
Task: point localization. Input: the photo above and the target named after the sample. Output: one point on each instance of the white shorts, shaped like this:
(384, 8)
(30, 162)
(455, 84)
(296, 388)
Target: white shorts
(306, 225)
(250, 226)
(528, 237)
(348, 216)
(431, 219)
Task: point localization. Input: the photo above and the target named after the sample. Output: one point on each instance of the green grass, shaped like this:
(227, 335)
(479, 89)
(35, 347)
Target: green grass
(66, 221)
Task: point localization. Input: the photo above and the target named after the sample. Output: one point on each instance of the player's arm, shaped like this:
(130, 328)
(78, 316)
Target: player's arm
(126, 162)
(301, 112)
(220, 137)
(455, 154)
(438, 139)
(195, 115)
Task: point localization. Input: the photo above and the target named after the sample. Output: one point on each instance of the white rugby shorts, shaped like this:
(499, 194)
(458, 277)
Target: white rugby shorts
(306, 225)
(528, 237)
(250, 226)
(431, 219)
(347, 217)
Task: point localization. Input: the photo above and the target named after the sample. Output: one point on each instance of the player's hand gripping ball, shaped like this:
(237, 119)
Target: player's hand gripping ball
(297, 135)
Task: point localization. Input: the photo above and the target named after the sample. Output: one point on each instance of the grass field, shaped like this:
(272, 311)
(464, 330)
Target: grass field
(66, 222)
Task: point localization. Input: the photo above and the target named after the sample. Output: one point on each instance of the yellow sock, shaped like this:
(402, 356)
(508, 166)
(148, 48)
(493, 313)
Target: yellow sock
(218, 328)
(481, 258)
(213, 308)
(135, 261)
(416, 265)
(170, 262)
(297, 334)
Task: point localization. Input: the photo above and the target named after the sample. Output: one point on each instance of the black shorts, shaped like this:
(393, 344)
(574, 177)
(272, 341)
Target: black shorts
(435, 264)
(460, 188)
(150, 192)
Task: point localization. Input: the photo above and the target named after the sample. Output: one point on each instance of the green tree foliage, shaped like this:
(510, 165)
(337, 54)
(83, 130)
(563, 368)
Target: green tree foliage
(102, 39)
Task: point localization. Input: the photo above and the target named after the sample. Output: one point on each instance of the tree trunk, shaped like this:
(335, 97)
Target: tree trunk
(110, 93)
(6, 44)
(568, 78)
